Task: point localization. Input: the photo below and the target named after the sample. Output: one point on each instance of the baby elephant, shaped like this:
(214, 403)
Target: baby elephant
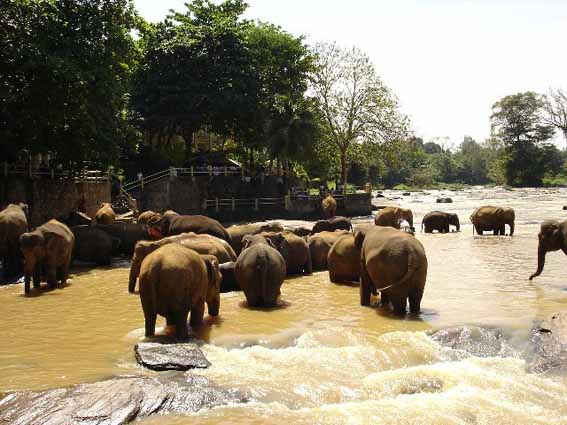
(440, 221)
(260, 271)
(394, 263)
(175, 279)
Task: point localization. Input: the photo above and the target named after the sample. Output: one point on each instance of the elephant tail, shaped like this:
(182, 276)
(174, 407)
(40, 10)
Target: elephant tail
(262, 269)
(412, 268)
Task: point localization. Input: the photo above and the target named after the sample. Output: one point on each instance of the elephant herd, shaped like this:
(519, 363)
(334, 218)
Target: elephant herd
(182, 262)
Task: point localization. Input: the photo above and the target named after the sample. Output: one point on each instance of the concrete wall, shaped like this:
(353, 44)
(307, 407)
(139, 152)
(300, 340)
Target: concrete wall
(49, 198)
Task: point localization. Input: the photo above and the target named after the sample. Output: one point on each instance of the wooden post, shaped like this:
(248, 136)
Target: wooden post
(210, 167)
(233, 204)
(217, 204)
(192, 172)
(256, 204)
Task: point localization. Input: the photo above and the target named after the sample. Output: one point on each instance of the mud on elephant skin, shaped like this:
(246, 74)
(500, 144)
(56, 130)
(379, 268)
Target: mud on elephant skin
(175, 280)
(260, 271)
(203, 244)
(495, 219)
(13, 223)
(552, 237)
(394, 263)
(440, 221)
(393, 217)
(48, 248)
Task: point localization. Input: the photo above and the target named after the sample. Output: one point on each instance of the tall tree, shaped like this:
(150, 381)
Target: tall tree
(555, 106)
(354, 103)
(517, 120)
(65, 72)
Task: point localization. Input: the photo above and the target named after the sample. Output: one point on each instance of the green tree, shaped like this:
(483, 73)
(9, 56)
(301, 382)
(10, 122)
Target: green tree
(354, 103)
(517, 120)
(65, 67)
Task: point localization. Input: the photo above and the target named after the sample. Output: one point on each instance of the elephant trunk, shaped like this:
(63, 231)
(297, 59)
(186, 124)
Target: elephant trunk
(540, 262)
(134, 272)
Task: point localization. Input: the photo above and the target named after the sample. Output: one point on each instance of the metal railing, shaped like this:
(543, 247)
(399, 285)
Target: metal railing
(32, 171)
(234, 203)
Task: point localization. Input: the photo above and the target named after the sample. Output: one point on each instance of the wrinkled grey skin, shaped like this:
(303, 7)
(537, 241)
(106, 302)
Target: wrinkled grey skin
(489, 218)
(552, 237)
(260, 271)
(48, 248)
(13, 223)
(440, 221)
(394, 263)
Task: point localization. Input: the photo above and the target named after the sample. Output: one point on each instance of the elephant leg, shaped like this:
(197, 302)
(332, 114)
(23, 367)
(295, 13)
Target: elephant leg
(309, 265)
(181, 324)
(170, 320)
(51, 275)
(384, 298)
(415, 295)
(252, 300)
(27, 284)
(365, 287)
(428, 229)
(399, 302)
(503, 230)
(36, 276)
(213, 307)
(478, 230)
(150, 318)
(197, 313)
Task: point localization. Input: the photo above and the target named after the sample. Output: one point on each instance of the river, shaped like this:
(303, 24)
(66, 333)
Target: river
(320, 357)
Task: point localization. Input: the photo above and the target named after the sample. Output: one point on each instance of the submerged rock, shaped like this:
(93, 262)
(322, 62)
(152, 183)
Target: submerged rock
(473, 341)
(115, 402)
(157, 356)
(550, 342)
(444, 200)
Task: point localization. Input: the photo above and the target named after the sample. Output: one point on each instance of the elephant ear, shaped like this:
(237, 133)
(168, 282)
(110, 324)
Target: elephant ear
(246, 241)
(31, 240)
(271, 243)
(359, 236)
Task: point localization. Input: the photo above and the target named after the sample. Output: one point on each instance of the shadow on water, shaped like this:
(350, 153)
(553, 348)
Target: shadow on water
(44, 289)
(280, 305)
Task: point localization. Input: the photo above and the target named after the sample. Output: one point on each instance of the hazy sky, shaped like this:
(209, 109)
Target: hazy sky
(447, 61)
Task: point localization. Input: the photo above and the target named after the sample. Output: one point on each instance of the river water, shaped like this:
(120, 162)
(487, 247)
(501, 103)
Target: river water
(320, 357)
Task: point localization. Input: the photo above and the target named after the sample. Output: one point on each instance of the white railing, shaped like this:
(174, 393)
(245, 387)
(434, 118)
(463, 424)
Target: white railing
(234, 203)
(34, 171)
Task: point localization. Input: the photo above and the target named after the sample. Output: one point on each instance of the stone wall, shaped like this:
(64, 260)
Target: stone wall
(48, 198)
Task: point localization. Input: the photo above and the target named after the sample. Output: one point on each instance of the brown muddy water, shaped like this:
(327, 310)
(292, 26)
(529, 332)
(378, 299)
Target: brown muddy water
(320, 357)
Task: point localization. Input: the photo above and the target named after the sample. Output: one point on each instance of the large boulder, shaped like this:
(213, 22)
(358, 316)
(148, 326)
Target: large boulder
(157, 356)
(116, 401)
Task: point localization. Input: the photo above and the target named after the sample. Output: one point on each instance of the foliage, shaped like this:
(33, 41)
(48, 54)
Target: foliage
(555, 107)
(517, 120)
(354, 104)
(65, 72)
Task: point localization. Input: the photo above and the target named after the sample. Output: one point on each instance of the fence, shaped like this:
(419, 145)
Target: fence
(34, 172)
(234, 203)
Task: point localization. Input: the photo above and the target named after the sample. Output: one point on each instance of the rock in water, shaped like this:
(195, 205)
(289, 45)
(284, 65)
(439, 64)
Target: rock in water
(115, 402)
(157, 356)
(550, 340)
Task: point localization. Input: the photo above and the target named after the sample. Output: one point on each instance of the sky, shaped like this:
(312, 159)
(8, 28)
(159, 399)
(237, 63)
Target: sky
(447, 61)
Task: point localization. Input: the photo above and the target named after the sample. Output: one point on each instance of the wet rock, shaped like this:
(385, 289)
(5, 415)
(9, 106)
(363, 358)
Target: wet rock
(158, 356)
(550, 344)
(406, 194)
(473, 341)
(116, 401)
(564, 207)
(379, 195)
(444, 200)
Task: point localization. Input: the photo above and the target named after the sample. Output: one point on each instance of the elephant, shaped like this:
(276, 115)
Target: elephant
(260, 271)
(393, 216)
(148, 218)
(48, 248)
(319, 246)
(237, 232)
(489, 218)
(75, 218)
(13, 224)
(105, 214)
(344, 260)
(393, 262)
(332, 224)
(294, 250)
(552, 237)
(440, 221)
(125, 236)
(203, 244)
(175, 280)
(299, 231)
(92, 245)
(228, 283)
(329, 206)
(175, 224)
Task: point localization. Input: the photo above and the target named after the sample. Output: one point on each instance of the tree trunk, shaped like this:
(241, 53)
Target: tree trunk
(188, 137)
(343, 166)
